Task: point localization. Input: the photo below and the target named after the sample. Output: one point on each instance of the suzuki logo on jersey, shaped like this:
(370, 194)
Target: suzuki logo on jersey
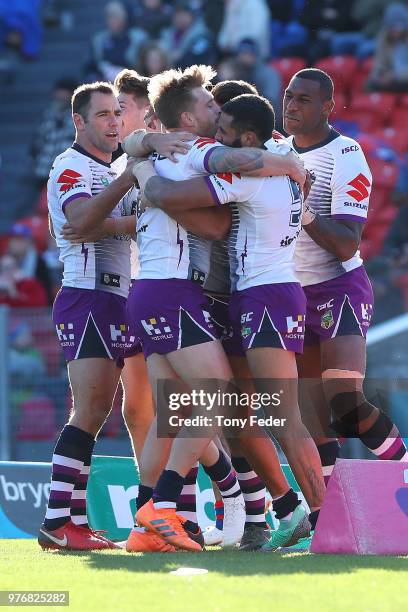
(360, 186)
(202, 142)
(151, 326)
(295, 325)
(326, 306)
(227, 176)
(68, 179)
(65, 333)
(366, 313)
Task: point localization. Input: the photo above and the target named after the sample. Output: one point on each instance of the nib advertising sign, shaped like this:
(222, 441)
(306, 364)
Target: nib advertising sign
(112, 491)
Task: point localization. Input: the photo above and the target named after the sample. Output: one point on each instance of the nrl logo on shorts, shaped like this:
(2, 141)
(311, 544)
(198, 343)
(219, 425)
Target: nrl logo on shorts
(245, 331)
(327, 320)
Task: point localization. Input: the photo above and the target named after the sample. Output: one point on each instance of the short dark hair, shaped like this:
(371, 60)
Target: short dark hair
(131, 82)
(224, 91)
(82, 95)
(170, 91)
(253, 113)
(318, 76)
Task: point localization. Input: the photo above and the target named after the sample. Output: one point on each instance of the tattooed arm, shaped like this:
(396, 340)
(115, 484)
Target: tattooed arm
(251, 161)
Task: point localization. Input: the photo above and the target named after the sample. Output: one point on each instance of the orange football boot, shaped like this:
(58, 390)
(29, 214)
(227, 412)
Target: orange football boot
(166, 524)
(142, 540)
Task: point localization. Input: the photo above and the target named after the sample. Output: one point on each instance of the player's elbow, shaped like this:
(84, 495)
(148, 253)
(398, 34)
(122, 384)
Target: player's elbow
(347, 249)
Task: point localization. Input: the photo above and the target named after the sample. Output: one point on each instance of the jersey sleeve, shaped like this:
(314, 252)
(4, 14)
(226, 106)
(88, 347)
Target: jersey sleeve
(72, 180)
(232, 187)
(351, 185)
(200, 153)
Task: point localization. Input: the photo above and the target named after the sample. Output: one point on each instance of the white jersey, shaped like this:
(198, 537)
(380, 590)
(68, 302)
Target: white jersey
(166, 249)
(341, 191)
(265, 225)
(104, 264)
(129, 203)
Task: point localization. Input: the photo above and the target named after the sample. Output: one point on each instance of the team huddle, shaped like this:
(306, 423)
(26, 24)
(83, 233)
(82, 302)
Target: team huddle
(249, 280)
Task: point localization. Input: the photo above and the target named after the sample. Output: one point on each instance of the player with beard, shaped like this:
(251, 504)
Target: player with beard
(267, 301)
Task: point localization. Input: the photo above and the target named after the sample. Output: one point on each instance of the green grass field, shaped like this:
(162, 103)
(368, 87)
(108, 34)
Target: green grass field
(116, 580)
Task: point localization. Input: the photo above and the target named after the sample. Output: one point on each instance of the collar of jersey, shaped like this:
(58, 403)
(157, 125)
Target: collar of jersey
(333, 134)
(80, 149)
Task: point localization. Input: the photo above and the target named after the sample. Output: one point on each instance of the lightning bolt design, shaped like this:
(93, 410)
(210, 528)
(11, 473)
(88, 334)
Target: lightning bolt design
(180, 242)
(244, 253)
(84, 251)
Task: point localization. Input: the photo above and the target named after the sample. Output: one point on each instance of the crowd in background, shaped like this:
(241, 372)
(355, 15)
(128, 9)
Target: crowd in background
(260, 41)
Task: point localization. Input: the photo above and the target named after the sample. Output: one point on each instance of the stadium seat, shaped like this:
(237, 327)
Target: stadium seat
(37, 419)
(395, 139)
(380, 197)
(39, 229)
(366, 119)
(341, 68)
(341, 107)
(287, 66)
(385, 174)
(399, 118)
(41, 207)
(361, 75)
(403, 101)
(381, 104)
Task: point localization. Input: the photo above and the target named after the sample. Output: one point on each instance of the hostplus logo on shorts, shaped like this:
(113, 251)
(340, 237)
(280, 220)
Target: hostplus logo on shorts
(65, 333)
(119, 336)
(295, 327)
(366, 314)
(157, 329)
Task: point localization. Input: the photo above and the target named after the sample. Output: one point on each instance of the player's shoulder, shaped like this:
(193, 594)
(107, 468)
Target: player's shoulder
(119, 165)
(70, 158)
(343, 145)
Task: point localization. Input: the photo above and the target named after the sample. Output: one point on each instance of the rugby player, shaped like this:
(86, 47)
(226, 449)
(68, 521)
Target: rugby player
(172, 93)
(90, 310)
(267, 305)
(331, 271)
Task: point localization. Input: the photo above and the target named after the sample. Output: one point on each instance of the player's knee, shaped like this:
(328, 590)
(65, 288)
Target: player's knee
(348, 407)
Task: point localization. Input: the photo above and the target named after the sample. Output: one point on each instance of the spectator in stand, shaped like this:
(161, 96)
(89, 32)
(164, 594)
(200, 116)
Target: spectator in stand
(390, 69)
(188, 41)
(249, 19)
(368, 16)
(228, 70)
(55, 132)
(152, 60)
(152, 16)
(254, 70)
(25, 360)
(16, 290)
(20, 26)
(323, 19)
(30, 264)
(117, 46)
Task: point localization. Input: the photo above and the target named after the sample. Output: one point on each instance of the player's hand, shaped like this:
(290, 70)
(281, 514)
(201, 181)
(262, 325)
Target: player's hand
(310, 179)
(72, 235)
(296, 169)
(169, 144)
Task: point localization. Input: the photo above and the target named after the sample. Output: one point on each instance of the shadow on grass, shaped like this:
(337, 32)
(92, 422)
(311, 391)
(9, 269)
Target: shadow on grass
(234, 563)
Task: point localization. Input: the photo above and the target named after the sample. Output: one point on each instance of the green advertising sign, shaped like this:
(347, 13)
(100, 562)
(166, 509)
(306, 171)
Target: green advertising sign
(112, 491)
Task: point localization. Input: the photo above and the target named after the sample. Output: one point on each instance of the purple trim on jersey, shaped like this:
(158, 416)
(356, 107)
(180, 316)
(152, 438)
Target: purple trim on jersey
(349, 218)
(206, 159)
(75, 196)
(212, 190)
